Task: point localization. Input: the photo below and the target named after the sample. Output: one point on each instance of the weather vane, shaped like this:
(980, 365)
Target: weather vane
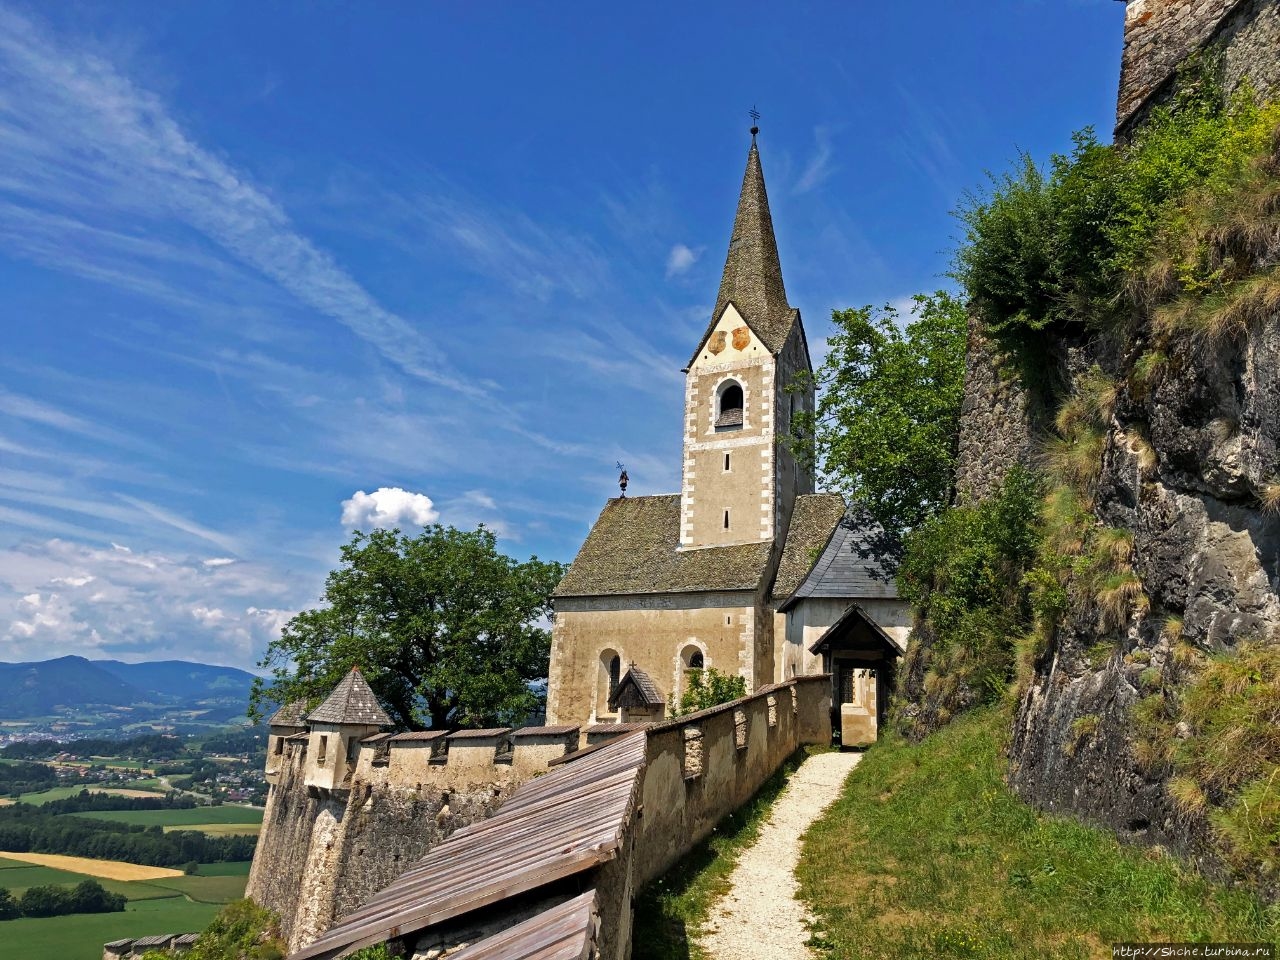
(623, 479)
(754, 114)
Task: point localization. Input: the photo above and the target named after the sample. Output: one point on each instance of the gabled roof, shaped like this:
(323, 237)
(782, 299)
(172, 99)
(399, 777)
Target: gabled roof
(633, 549)
(752, 279)
(353, 702)
(846, 570)
(840, 631)
(290, 715)
(636, 689)
(813, 520)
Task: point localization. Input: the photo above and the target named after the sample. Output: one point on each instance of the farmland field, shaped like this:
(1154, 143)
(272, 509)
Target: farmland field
(219, 829)
(61, 793)
(105, 869)
(169, 905)
(80, 937)
(178, 818)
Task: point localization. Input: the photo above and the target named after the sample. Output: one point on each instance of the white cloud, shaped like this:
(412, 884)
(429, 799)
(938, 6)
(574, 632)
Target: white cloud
(76, 129)
(680, 259)
(143, 603)
(388, 507)
(218, 562)
(819, 167)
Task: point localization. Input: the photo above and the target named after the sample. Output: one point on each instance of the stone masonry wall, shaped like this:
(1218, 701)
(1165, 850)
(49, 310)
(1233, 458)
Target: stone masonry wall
(1161, 34)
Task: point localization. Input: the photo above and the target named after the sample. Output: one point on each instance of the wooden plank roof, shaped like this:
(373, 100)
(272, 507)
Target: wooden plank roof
(562, 823)
(565, 932)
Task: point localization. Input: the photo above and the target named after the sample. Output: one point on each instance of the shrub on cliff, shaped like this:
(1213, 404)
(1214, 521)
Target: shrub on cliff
(241, 931)
(446, 629)
(1063, 247)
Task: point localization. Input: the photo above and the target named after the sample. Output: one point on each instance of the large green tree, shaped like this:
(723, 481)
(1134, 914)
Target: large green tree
(448, 631)
(887, 423)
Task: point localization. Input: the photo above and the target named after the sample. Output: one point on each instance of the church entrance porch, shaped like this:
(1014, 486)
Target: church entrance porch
(862, 661)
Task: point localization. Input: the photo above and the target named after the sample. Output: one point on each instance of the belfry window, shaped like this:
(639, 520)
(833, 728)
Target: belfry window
(729, 406)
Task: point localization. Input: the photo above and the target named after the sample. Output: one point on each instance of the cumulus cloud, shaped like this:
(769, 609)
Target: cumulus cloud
(77, 599)
(388, 507)
(680, 259)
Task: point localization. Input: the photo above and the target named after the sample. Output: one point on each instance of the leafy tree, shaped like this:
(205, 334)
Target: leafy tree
(887, 424)
(446, 629)
(241, 931)
(709, 688)
(9, 909)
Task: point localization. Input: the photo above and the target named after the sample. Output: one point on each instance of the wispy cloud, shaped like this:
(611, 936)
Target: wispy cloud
(73, 129)
(680, 259)
(819, 168)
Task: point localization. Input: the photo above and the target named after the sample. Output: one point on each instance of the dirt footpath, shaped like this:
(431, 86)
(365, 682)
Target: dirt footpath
(760, 918)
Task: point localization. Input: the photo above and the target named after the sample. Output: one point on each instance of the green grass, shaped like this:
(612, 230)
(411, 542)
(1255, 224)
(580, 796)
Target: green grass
(234, 868)
(16, 876)
(176, 818)
(80, 937)
(61, 793)
(204, 889)
(928, 853)
(673, 906)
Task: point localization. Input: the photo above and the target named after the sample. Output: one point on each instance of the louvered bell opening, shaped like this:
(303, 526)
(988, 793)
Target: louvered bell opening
(729, 418)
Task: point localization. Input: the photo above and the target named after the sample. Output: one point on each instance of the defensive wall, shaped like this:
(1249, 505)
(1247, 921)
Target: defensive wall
(512, 835)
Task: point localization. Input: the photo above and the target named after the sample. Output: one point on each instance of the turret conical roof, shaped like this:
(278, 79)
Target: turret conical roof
(353, 702)
(752, 278)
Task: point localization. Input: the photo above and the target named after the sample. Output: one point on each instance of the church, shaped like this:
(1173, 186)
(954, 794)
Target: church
(747, 569)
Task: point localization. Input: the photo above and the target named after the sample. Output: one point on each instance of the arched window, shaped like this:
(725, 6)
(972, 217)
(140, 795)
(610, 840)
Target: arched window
(607, 684)
(695, 660)
(729, 406)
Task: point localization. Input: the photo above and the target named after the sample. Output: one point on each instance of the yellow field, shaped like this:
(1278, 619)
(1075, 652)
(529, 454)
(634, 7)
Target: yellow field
(107, 869)
(220, 829)
(128, 792)
(5, 801)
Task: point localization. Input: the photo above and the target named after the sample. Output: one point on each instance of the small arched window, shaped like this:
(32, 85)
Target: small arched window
(695, 661)
(615, 674)
(729, 402)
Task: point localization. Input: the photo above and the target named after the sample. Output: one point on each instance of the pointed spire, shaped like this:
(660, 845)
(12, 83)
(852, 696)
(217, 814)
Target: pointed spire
(752, 277)
(352, 701)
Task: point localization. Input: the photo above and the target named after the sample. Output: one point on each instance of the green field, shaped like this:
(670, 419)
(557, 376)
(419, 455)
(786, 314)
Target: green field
(172, 905)
(81, 937)
(61, 793)
(176, 818)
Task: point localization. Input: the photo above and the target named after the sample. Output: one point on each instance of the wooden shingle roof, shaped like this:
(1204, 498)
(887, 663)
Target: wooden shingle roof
(752, 278)
(635, 689)
(290, 715)
(847, 569)
(813, 520)
(632, 549)
(353, 702)
(565, 822)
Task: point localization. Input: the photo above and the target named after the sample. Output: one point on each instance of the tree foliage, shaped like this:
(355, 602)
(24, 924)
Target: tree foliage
(887, 423)
(53, 900)
(447, 630)
(242, 930)
(708, 688)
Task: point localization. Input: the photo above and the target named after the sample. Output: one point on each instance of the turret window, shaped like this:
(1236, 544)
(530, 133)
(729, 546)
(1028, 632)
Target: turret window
(729, 403)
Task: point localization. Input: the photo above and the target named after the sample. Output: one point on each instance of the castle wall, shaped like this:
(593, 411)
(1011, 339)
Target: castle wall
(321, 852)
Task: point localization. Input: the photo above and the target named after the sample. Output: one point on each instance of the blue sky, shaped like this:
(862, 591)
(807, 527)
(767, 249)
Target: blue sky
(272, 271)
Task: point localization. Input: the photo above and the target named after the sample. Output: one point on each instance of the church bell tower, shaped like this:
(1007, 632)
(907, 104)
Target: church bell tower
(743, 385)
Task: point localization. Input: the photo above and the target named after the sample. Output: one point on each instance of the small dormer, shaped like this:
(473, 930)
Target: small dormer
(637, 698)
(337, 726)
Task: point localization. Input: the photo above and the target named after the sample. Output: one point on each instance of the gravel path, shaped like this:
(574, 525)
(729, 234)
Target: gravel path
(760, 918)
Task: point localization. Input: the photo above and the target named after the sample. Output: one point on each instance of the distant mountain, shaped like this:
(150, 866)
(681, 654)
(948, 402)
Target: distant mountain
(74, 684)
(181, 679)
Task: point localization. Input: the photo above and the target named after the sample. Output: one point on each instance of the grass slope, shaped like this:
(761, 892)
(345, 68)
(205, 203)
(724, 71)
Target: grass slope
(61, 793)
(669, 910)
(928, 853)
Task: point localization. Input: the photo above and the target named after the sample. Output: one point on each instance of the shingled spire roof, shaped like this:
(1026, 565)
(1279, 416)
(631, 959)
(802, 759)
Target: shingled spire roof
(353, 702)
(752, 278)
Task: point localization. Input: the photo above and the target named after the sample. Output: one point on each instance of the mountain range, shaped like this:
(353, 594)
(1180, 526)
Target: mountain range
(75, 684)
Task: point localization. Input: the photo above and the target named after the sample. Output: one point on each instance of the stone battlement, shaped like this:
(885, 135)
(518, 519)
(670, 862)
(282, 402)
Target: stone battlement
(175, 943)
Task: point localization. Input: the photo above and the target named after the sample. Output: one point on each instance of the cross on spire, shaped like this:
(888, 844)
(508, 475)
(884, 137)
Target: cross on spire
(754, 114)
